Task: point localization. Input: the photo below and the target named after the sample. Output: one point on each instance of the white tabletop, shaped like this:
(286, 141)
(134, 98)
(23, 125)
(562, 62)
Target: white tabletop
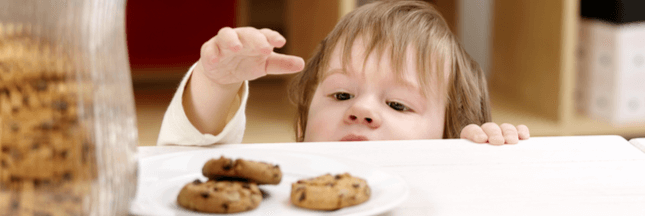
(584, 175)
(639, 143)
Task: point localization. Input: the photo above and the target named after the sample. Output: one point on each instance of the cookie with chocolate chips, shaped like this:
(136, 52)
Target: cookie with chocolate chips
(258, 172)
(329, 192)
(220, 196)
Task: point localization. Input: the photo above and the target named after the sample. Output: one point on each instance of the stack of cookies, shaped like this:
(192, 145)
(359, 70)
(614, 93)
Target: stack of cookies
(232, 186)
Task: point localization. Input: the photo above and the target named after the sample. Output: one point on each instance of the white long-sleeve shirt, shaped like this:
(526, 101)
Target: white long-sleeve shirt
(176, 129)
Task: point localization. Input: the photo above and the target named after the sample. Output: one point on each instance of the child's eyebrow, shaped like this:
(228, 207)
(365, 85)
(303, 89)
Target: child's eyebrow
(415, 90)
(409, 84)
(401, 81)
(334, 71)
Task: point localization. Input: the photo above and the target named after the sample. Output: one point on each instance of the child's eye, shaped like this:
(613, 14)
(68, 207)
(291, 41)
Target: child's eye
(398, 106)
(342, 96)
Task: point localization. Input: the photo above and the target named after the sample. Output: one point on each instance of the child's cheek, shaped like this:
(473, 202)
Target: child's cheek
(316, 130)
(315, 121)
(323, 122)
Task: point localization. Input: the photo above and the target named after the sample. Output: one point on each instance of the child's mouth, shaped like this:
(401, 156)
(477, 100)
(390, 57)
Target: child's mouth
(353, 137)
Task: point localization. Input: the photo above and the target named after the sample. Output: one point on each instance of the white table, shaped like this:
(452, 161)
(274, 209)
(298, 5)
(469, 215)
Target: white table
(584, 175)
(639, 143)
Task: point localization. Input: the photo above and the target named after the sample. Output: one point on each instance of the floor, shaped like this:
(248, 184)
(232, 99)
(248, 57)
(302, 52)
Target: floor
(269, 112)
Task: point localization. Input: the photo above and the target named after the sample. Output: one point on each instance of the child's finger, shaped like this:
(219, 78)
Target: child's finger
(474, 133)
(282, 64)
(494, 133)
(510, 133)
(274, 38)
(253, 39)
(210, 51)
(523, 132)
(227, 39)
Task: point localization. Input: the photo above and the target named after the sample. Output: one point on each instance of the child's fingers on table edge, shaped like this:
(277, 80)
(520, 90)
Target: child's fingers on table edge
(523, 132)
(494, 133)
(474, 133)
(510, 133)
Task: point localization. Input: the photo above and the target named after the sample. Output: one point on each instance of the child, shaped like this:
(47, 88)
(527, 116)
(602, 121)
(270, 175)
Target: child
(390, 70)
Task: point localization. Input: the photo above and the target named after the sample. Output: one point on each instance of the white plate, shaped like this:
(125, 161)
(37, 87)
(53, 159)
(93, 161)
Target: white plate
(161, 178)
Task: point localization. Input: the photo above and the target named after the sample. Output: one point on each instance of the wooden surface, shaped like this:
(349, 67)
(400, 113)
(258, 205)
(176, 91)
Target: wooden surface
(450, 12)
(506, 111)
(568, 51)
(527, 54)
(308, 23)
(533, 74)
(585, 175)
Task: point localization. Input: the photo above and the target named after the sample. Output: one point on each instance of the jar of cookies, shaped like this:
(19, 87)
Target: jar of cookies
(68, 133)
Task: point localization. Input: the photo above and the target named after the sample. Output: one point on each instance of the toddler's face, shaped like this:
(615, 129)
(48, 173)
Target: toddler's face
(371, 103)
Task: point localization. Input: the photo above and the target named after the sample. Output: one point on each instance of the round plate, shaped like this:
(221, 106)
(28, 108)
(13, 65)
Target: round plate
(162, 177)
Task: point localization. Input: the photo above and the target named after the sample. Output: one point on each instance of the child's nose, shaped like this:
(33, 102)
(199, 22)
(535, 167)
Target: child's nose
(362, 115)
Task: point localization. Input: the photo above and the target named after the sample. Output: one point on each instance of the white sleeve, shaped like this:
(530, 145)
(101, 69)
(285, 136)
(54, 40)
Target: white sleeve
(176, 129)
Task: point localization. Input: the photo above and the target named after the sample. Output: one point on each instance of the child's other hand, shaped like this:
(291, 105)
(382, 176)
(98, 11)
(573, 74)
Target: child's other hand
(495, 134)
(239, 54)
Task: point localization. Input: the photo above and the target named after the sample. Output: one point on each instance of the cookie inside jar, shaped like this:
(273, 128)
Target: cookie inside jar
(47, 162)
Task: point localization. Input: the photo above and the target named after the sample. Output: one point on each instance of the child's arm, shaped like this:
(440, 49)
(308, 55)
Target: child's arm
(226, 61)
(495, 134)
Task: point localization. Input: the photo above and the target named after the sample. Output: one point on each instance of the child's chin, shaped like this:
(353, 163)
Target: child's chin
(353, 137)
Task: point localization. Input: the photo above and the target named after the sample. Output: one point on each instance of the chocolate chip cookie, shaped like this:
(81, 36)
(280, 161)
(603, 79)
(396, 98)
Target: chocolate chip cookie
(328, 192)
(220, 196)
(253, 171)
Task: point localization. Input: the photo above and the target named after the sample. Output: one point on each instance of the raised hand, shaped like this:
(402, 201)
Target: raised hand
(226, 61)
(246, 53)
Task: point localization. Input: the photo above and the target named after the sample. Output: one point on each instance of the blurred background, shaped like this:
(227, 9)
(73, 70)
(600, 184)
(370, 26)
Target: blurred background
(570, 67)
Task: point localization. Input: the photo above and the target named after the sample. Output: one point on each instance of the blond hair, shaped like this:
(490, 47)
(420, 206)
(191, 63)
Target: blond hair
(394, 26)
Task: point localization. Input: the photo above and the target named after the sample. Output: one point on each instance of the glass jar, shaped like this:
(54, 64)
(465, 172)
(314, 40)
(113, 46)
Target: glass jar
(68, 133)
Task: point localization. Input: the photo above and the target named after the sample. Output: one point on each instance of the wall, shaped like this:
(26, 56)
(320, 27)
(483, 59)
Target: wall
(475, 24)
(169, 34)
